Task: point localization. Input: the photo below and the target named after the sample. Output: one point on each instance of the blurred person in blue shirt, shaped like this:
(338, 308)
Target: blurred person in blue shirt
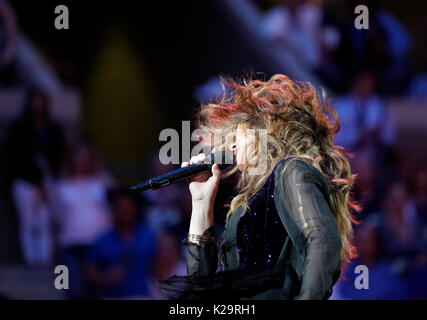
(119, 263)
(366, 123)
(390, 245)
(384, 278)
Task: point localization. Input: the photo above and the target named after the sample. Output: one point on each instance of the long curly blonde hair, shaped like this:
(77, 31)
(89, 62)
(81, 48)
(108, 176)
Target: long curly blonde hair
(297, 122)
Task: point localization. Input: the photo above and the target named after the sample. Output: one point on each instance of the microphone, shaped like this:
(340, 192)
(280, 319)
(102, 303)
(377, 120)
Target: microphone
(222, 158)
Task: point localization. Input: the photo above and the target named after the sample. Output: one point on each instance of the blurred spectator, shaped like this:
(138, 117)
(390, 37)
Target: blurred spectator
(312, 34)
(163, 210)
(384, 282)
(169, 261)
(384, 47)
(8, 32)
(119, 262)
(365, 120)
(399, 224)
(295, 25)
(81, 212)
(421, 194)
(418, 85)
(369, 186)
(34, 150)
(20, 61)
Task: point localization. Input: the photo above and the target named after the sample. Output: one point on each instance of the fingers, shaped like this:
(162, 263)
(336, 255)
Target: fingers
(199, 158)
(195, 159)
(216, 172)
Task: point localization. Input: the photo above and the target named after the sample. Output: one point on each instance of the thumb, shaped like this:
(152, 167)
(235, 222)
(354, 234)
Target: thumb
(216, 172)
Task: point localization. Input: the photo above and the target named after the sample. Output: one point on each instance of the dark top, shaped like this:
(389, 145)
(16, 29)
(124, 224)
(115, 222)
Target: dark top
(31, 150)
(285, 246)
(260, 234)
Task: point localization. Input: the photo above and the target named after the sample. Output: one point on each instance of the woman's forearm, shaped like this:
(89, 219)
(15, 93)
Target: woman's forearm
(202, 258)
(201, 217)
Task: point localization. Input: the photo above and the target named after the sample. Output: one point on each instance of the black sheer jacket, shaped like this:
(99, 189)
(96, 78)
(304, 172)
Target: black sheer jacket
(286, 246)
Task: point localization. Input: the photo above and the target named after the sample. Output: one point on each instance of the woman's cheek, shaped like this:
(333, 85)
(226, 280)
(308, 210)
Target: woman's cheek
(239, 157)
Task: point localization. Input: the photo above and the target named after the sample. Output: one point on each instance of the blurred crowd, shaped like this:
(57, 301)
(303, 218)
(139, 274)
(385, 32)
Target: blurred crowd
(364, 69)
(330, 45)
(71, 210)
(68, 207)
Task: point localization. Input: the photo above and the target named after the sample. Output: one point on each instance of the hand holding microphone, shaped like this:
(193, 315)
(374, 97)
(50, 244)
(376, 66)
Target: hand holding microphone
(203, 186)
(193, 168)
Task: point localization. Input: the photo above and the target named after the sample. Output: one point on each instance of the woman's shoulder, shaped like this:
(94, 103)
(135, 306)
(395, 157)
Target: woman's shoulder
(288, 164)
(292, 170)
(296, 178)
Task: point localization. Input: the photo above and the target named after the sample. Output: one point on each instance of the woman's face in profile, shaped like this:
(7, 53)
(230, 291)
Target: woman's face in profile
(242, 147)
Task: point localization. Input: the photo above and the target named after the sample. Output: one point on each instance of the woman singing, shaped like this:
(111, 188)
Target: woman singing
(288, 230)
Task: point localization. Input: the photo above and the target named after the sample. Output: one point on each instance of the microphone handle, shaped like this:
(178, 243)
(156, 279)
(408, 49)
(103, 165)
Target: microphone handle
(173, 176)
(226, 158)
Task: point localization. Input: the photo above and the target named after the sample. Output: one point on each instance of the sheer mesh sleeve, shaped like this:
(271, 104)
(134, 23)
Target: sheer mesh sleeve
(310, 222)
(202, 259)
